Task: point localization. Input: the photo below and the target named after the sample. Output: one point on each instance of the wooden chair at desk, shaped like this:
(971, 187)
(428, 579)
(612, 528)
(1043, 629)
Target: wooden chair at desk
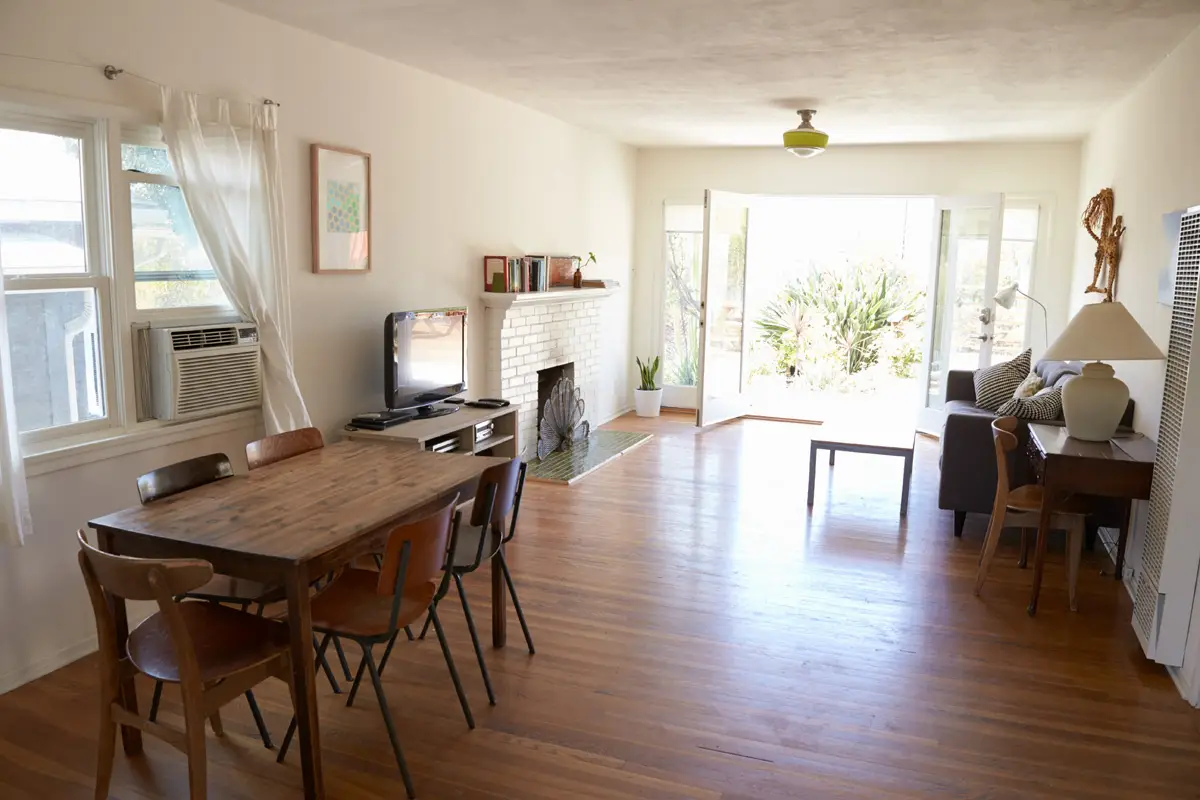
(1021, 507)
(213, 652)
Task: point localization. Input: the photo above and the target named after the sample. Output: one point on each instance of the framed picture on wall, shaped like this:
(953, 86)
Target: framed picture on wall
(341, 209)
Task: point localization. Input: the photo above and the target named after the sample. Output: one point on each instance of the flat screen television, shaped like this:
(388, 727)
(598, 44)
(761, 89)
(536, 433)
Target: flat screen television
(424, 357)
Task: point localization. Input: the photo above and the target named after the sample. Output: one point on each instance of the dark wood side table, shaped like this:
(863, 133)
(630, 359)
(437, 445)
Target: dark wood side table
(1121, 467)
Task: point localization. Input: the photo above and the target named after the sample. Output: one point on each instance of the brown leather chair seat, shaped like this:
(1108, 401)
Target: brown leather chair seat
(353, 606)
(226, 641)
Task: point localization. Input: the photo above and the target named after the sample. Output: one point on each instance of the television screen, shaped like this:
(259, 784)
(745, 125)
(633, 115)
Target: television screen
(425, 357)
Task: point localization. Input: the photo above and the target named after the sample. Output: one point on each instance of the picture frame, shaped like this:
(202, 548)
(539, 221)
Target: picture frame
(562, 271)
(495, 274)
(341, 210)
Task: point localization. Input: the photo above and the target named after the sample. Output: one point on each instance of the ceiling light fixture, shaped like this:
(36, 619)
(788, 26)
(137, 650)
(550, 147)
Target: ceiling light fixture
(805, 141)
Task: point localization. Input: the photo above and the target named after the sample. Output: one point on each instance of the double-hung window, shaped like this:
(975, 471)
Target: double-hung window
(171, 271)
(53, 245)
(95, 239)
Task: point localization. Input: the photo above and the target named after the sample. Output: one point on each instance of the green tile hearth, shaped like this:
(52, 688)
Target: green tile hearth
(584, 457)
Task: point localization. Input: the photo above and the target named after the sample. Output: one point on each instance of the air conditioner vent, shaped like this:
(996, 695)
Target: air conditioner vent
(202, 370)
(197, 338)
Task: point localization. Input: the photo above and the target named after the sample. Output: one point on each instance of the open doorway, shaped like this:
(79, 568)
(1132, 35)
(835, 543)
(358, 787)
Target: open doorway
(835, 305)
(827, 307)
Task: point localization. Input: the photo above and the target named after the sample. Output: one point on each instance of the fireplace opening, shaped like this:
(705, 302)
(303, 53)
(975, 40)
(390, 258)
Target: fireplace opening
(546, 379)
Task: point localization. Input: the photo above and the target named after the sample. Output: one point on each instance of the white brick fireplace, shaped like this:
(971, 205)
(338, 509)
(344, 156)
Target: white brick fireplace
(534, 331)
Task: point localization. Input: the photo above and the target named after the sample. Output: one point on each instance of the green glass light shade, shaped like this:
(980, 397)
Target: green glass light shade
(805, 141)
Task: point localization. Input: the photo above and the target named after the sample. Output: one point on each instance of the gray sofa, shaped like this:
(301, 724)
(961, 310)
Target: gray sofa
(968, 458)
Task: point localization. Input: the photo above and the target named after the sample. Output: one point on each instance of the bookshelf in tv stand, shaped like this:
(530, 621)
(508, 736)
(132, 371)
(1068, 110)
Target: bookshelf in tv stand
(418, 433)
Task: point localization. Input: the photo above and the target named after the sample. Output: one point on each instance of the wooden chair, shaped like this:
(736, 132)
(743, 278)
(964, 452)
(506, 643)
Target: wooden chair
(213, 652)
(371, 608)
(499, 493)
(283, 446)
(165, 482)
(1021, 507)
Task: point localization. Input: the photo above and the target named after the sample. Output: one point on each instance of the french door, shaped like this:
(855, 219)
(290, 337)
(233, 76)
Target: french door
(723, 340)
(965, 269)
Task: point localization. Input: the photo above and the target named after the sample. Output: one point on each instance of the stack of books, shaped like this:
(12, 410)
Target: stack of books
(527, 273)
(484, 431)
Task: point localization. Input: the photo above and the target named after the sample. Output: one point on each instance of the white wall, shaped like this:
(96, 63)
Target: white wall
(456, 174)
(1049, 172)
(1145, 149)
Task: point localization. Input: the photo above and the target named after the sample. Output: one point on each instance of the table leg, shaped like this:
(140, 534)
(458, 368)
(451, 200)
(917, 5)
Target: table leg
(832, 453)
(131, 738)
(1122, 538)
(499, 605)
(1039, 556)
(305, 680)
(812, 472)
(908, 465)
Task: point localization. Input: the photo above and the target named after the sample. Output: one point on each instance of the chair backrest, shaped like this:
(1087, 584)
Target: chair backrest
(501, 482)
(141, 578)
(1005, 440)
(416, 551)
(127, 578)
(283, 445)
(175, 478)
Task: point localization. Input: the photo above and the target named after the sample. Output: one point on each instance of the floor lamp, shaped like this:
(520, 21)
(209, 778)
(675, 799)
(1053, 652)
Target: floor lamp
(1006, 297)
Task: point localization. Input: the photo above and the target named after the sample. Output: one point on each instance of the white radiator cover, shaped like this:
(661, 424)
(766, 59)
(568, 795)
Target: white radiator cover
(1170, 552)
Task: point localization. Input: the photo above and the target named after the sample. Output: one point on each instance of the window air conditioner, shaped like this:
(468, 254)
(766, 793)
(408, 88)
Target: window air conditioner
(203, 370)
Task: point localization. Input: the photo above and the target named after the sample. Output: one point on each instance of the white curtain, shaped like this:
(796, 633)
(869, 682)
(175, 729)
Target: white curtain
(230, 177)
(15, 522)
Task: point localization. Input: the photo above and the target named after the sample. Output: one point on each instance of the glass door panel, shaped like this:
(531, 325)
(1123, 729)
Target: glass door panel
(967, 233)
(723, 308)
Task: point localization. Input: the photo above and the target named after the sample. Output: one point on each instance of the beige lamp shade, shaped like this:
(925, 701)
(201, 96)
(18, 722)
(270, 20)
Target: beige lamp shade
(1103, 331)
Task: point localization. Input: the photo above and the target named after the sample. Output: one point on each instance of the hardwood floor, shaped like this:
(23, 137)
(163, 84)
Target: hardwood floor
(700, 634)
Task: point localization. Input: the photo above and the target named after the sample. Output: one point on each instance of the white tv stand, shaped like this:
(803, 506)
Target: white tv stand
(419, 433)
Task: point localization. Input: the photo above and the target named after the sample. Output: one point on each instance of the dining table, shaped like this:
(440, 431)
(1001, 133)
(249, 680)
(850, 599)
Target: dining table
(288, 524)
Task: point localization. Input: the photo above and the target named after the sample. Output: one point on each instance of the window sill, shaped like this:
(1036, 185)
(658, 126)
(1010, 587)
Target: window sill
(43, 458)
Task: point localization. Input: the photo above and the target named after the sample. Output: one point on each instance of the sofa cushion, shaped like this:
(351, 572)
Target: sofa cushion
(1044, 406)
(995, 385)
(966, 407)
(1056, 373)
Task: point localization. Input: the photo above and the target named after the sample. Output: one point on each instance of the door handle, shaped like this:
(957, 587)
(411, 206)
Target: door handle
(983, 337)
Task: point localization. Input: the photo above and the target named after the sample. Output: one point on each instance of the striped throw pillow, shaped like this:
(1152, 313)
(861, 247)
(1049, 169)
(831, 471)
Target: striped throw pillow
(1044, 406)
(995, 385)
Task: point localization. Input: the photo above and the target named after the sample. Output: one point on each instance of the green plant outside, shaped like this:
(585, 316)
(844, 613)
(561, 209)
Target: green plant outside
(835, 323)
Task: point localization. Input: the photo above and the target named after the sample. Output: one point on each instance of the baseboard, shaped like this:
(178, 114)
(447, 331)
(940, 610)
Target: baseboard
(618, 413)
(1185, 691)
(44, 666)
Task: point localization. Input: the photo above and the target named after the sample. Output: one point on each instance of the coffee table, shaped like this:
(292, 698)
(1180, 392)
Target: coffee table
(880, 440)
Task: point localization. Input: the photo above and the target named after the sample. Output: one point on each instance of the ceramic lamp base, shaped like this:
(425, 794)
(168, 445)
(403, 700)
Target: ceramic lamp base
(1094, 402)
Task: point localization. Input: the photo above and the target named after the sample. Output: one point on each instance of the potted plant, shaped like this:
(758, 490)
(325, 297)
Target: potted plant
(647, 398)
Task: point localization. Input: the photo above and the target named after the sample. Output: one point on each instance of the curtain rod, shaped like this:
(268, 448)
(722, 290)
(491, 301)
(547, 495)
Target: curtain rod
(110, 72)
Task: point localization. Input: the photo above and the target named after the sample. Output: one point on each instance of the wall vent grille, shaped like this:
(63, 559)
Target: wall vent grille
(1183, 319)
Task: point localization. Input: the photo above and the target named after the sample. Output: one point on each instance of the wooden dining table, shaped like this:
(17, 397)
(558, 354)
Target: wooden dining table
(288, 524)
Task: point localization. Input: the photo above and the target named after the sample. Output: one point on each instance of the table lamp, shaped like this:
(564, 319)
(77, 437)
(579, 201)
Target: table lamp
(1095, 401)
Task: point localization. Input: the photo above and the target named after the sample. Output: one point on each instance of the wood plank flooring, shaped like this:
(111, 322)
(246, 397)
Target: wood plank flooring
(701, 635)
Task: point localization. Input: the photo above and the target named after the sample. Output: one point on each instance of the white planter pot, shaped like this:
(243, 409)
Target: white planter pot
(647, 403)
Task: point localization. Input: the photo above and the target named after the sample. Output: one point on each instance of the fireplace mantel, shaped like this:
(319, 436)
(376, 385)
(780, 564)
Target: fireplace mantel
(522, 299)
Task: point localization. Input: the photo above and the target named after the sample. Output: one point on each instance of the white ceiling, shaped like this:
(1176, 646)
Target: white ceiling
(731, 72)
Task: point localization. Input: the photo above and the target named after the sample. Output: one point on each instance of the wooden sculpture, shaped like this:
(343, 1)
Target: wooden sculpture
(562, 419)
(1099, 212)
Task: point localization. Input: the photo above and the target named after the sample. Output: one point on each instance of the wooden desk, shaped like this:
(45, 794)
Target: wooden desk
(1121, 467)
(287, 524)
